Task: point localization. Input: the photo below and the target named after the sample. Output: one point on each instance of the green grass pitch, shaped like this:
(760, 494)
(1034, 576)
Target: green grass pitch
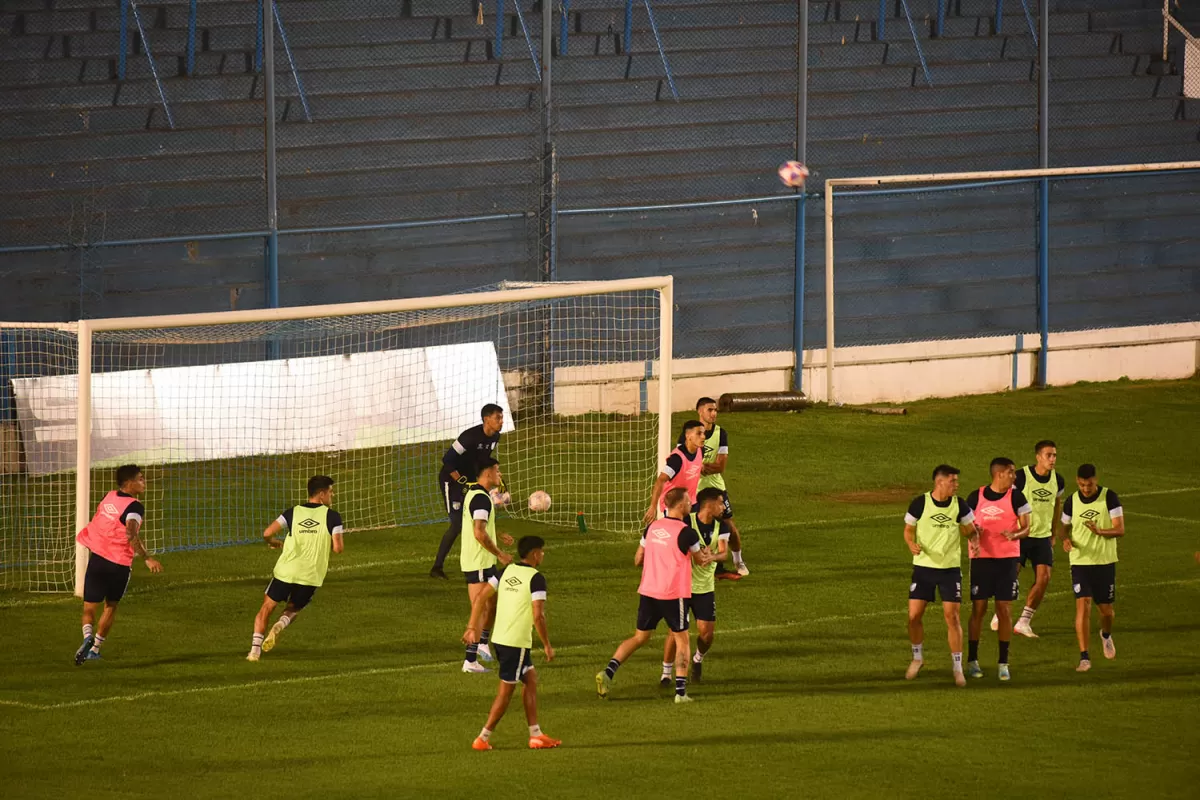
(803, 692)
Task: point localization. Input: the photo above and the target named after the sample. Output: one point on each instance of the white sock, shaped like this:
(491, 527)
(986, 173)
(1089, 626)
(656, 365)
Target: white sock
(1028, 613)
(535, 730)
(99, 641)
(87, 631)
(282, 623)
(667, 669)
(698, 657)
(957, 661)
(485, 734)
(737, 557)
(918, 652)
(256, 643)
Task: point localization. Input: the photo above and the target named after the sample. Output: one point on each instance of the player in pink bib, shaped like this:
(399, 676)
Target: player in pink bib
(112, 539)
(681, 471)
(1002, 520)
(666, 553)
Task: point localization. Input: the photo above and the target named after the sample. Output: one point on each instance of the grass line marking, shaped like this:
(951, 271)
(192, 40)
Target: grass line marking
(898, 611)
(1166, 519)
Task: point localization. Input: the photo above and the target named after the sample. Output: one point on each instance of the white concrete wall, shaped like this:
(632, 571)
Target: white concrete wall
(898, 373)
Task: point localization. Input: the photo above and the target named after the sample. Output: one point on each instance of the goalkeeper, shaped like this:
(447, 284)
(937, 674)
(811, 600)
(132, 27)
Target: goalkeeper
(460, 467)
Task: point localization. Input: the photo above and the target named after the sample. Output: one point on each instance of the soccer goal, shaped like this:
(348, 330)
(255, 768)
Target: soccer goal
(230, 413)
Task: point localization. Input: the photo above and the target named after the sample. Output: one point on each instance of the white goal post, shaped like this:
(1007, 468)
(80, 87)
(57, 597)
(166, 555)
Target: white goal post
(247, 404)
(846, 188)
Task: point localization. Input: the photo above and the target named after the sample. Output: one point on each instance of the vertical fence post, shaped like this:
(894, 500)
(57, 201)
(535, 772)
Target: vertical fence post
(941, 17)
(564, 24)
(1043, 191)
(258, 36)
(801, 155)
(880, 24)
(1000, 15)
(627, 37)
(191, 40)
(83, 447)
(498, 44)
(267, 22)
(829, 311)
(123, 44)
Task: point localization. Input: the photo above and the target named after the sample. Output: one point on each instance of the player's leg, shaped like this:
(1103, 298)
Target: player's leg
(298, 600)
(116, 581)
(499, 706)
(1004, 634)
(952, 614)
(916, 636)
(1107, 615)
(974, 629)
(484, 651)
(735, 539)
(277, 592)
(668, 662)
(452, 495)
(537, 739)
(1083, 624)
(475, 587)
(88, 623)
(705, 632)
(648, 616)
(1105, 586)
(683, 659)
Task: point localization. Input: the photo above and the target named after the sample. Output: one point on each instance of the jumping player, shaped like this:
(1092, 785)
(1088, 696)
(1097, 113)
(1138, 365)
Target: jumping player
(480, 554)
(706, 520)
(460, 466)
(520, 601)
(664, 553)
(933, 527)
(313, 531)
(1092, 521)
(712, 474)
(682, 470)
(112, 539)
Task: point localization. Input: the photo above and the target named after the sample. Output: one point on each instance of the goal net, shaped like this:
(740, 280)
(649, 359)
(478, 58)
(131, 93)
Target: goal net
(229, 414)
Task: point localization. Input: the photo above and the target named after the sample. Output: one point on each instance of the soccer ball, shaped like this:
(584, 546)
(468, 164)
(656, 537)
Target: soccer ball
(500, 498)
(793, 174)
(539, 501)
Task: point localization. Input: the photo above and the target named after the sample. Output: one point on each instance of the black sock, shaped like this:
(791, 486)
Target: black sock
(1105, 635)
(1004, 652)
(681, 686)
(973, 650)
(611, 669)
(1083, 656)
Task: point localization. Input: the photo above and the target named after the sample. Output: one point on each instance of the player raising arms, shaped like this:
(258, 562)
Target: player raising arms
(933, 525)
(460, 466)
(706, 520)
(112, 539)
(1002, 519)
(667, 548)
(712, 474)
(1093, 520)
(520, 599)
(1043, 488)
(480, 553)
(313, 531)
(682, 469)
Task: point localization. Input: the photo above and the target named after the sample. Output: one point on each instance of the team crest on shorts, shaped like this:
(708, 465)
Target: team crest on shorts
(912, 587)
(1077, 587)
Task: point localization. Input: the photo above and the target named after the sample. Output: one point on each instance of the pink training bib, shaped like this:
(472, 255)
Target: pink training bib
(105, 534)
(666, 572)
(687, 478)
(995, 517)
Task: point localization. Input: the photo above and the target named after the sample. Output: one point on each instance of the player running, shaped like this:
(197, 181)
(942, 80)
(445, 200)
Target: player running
(520, 602)
(933, 525)
(1002, 519)
(664, 553)
(682, 470)
(712, 474)
(460, 467)
(480, 553)
(1043, 487)
(112, 539)
(313, 530)
(706, 519)
(1093, 520)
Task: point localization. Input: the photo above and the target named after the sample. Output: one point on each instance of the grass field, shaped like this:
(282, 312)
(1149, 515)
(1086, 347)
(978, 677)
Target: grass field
(803, 691)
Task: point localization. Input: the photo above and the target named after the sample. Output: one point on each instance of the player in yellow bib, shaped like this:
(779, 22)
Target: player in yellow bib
(481, 552)
(1093, 520)
(934, 527)
(712, 475)
(519, 595)
(314, 530)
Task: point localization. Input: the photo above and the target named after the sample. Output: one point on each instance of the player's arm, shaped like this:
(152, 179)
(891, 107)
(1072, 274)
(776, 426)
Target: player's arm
(1024, 512)
(537, 589)
(1064, 524)
(478, 612)
(273, 530)
(133, 528)
(716, 467)
(722, 542)
(454, 459)
(485, 541)
(689, 543)
(655, 494)
(640, 555)
(910, 539)
(1118, 524)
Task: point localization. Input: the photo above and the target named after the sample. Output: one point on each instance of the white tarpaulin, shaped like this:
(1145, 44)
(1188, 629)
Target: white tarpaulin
(324, 403)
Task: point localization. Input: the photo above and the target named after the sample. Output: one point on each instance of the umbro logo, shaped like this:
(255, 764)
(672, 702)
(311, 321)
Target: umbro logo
(661, 535)
(110, 509)
(1042, 494)
(309, 524)
(1090, 514)
(513, 581)
(992, 511)
(941, 519)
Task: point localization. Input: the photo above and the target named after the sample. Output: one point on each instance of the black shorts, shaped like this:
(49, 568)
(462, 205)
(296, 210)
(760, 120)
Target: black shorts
(514, 662)
(704, 606)
(651, 611)
(452, 493)
(947, 582)
(1038, 551)
(995, 577)
(105, 581)
(296, 594)
(479, 575)
(1097, 581)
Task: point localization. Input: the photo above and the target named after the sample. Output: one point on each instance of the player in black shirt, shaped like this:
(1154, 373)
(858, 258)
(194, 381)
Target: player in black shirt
(460, 467)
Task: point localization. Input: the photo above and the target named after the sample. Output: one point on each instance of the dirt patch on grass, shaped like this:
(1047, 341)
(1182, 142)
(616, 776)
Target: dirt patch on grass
(887, 494)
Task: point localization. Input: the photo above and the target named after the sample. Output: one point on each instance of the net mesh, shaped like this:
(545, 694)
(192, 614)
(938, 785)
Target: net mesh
(229, 421)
